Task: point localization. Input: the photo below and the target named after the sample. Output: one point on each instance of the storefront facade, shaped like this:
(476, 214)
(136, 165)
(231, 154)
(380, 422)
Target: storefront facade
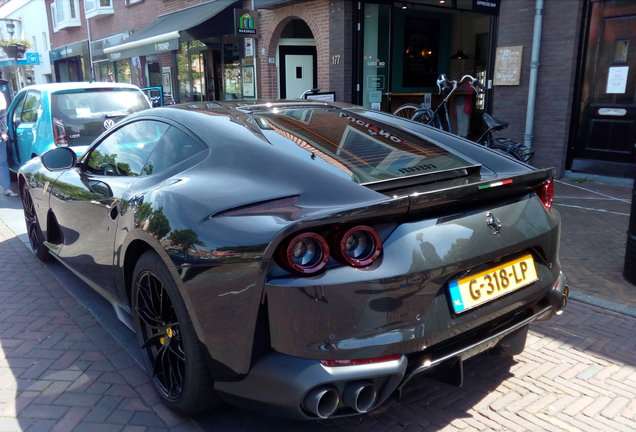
(192, 54)
(377, 54)
(381, 54)
(71, 62)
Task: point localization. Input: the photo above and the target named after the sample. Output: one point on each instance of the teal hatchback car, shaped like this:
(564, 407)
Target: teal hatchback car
(42, 117)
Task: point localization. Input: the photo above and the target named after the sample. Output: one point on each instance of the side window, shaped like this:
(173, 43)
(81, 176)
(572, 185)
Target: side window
(17, 113)
(30, 107)
(125, 151)
(173, 147)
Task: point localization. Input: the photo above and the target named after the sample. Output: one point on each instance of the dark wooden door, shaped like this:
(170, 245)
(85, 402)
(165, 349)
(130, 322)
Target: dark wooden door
(607, 122)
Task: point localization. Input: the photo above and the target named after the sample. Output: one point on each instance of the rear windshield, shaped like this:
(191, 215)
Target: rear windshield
(358, 147)
(88, 113)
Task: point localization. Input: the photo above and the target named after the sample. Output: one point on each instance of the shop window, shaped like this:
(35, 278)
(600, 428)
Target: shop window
(98, 8)
(123, 71)
(65, 13)
(106, 72)
(191, 72)
(421, 50)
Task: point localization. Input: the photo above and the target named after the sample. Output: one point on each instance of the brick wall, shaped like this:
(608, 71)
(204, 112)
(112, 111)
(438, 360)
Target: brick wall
(558, 61)
(317, 15)
(68, 35)
(341, 34)
(133, 17)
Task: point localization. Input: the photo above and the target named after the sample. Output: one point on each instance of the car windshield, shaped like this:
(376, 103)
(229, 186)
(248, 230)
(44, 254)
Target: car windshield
(86, 114)
(360, 148)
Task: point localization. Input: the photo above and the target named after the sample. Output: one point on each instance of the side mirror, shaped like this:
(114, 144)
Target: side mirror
(100, 188)
(58, 159)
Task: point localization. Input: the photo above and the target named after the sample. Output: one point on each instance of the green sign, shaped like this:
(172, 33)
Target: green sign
(245, 24)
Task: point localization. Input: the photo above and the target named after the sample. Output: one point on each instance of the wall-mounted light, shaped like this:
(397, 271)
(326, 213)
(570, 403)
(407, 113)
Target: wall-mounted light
(10, 28)
(404, 6)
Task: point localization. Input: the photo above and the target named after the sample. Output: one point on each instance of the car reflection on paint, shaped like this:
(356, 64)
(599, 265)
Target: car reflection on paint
(302, 259)
(74, 114)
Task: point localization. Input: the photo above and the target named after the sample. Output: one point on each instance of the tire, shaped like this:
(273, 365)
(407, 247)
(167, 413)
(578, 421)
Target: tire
(406, 111)
(172, 354)
(36, 238)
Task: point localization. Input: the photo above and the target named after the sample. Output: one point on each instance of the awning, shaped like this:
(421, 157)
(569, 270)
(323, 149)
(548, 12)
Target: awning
(163, 34)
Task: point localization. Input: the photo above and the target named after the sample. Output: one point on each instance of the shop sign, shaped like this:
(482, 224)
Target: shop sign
(169, 45)
(33, 59)
(72, 50)
(489, 7)
(245, 23)
(376, 63)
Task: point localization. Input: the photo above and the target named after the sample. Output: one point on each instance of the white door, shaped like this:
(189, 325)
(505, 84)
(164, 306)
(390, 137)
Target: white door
(299, 75)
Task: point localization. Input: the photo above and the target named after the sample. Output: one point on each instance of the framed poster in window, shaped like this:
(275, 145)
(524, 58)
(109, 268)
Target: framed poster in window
(249, 90)
(166, 79)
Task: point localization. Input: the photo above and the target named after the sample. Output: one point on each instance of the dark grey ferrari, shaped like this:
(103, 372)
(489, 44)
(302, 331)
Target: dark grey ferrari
(303, 259)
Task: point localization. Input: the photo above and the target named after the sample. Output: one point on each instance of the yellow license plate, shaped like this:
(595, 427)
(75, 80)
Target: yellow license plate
(483, 287)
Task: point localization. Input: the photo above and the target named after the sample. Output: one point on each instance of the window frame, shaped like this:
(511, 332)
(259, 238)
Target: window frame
(36, 109)
(64, 7)
(97, 10)
(86, 166)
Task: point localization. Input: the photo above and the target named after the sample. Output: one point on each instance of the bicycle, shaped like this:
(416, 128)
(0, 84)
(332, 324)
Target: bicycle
(424, 114)
(505, 145)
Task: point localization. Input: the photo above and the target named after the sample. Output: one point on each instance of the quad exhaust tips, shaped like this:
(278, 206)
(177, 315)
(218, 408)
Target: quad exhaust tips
(323, 401)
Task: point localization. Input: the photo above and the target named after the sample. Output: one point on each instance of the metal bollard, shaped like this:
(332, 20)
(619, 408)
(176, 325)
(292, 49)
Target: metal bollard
(629, 271)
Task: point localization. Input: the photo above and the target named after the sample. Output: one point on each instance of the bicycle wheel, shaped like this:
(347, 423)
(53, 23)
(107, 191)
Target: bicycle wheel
(513, 148)
(427, 116)
(406, 111)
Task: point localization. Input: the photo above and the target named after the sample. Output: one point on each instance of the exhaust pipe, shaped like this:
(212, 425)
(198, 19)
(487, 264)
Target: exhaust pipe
(564, 301)
(322, 401)
(360, 395)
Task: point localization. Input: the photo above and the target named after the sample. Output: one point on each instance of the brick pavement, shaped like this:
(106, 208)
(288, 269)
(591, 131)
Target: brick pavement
(595, 218)
(59, 369)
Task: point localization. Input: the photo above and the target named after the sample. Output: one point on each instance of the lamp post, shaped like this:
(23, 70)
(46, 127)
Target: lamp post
(10, 26)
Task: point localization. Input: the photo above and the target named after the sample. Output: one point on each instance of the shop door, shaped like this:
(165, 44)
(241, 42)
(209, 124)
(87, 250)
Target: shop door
(298, 71)
(608, 105)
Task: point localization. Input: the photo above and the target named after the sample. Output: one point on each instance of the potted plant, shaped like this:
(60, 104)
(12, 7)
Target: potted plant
(15, 48)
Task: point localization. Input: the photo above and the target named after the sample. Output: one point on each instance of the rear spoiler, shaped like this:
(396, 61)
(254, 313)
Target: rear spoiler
(387, 186)
(479, 188)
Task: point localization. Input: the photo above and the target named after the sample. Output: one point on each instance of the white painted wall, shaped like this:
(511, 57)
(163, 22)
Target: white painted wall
(35, 27)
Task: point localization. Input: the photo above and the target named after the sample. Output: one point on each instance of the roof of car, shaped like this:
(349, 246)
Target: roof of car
(53, 87)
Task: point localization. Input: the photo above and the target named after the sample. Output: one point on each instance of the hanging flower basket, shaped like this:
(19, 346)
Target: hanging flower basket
(14, 51)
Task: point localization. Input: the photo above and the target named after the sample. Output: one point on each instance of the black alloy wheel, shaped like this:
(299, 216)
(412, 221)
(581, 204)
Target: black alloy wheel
(172, 354)
(36, 238)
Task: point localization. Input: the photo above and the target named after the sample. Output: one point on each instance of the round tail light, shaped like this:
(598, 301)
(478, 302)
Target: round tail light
(306, 253)
(359, 246)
